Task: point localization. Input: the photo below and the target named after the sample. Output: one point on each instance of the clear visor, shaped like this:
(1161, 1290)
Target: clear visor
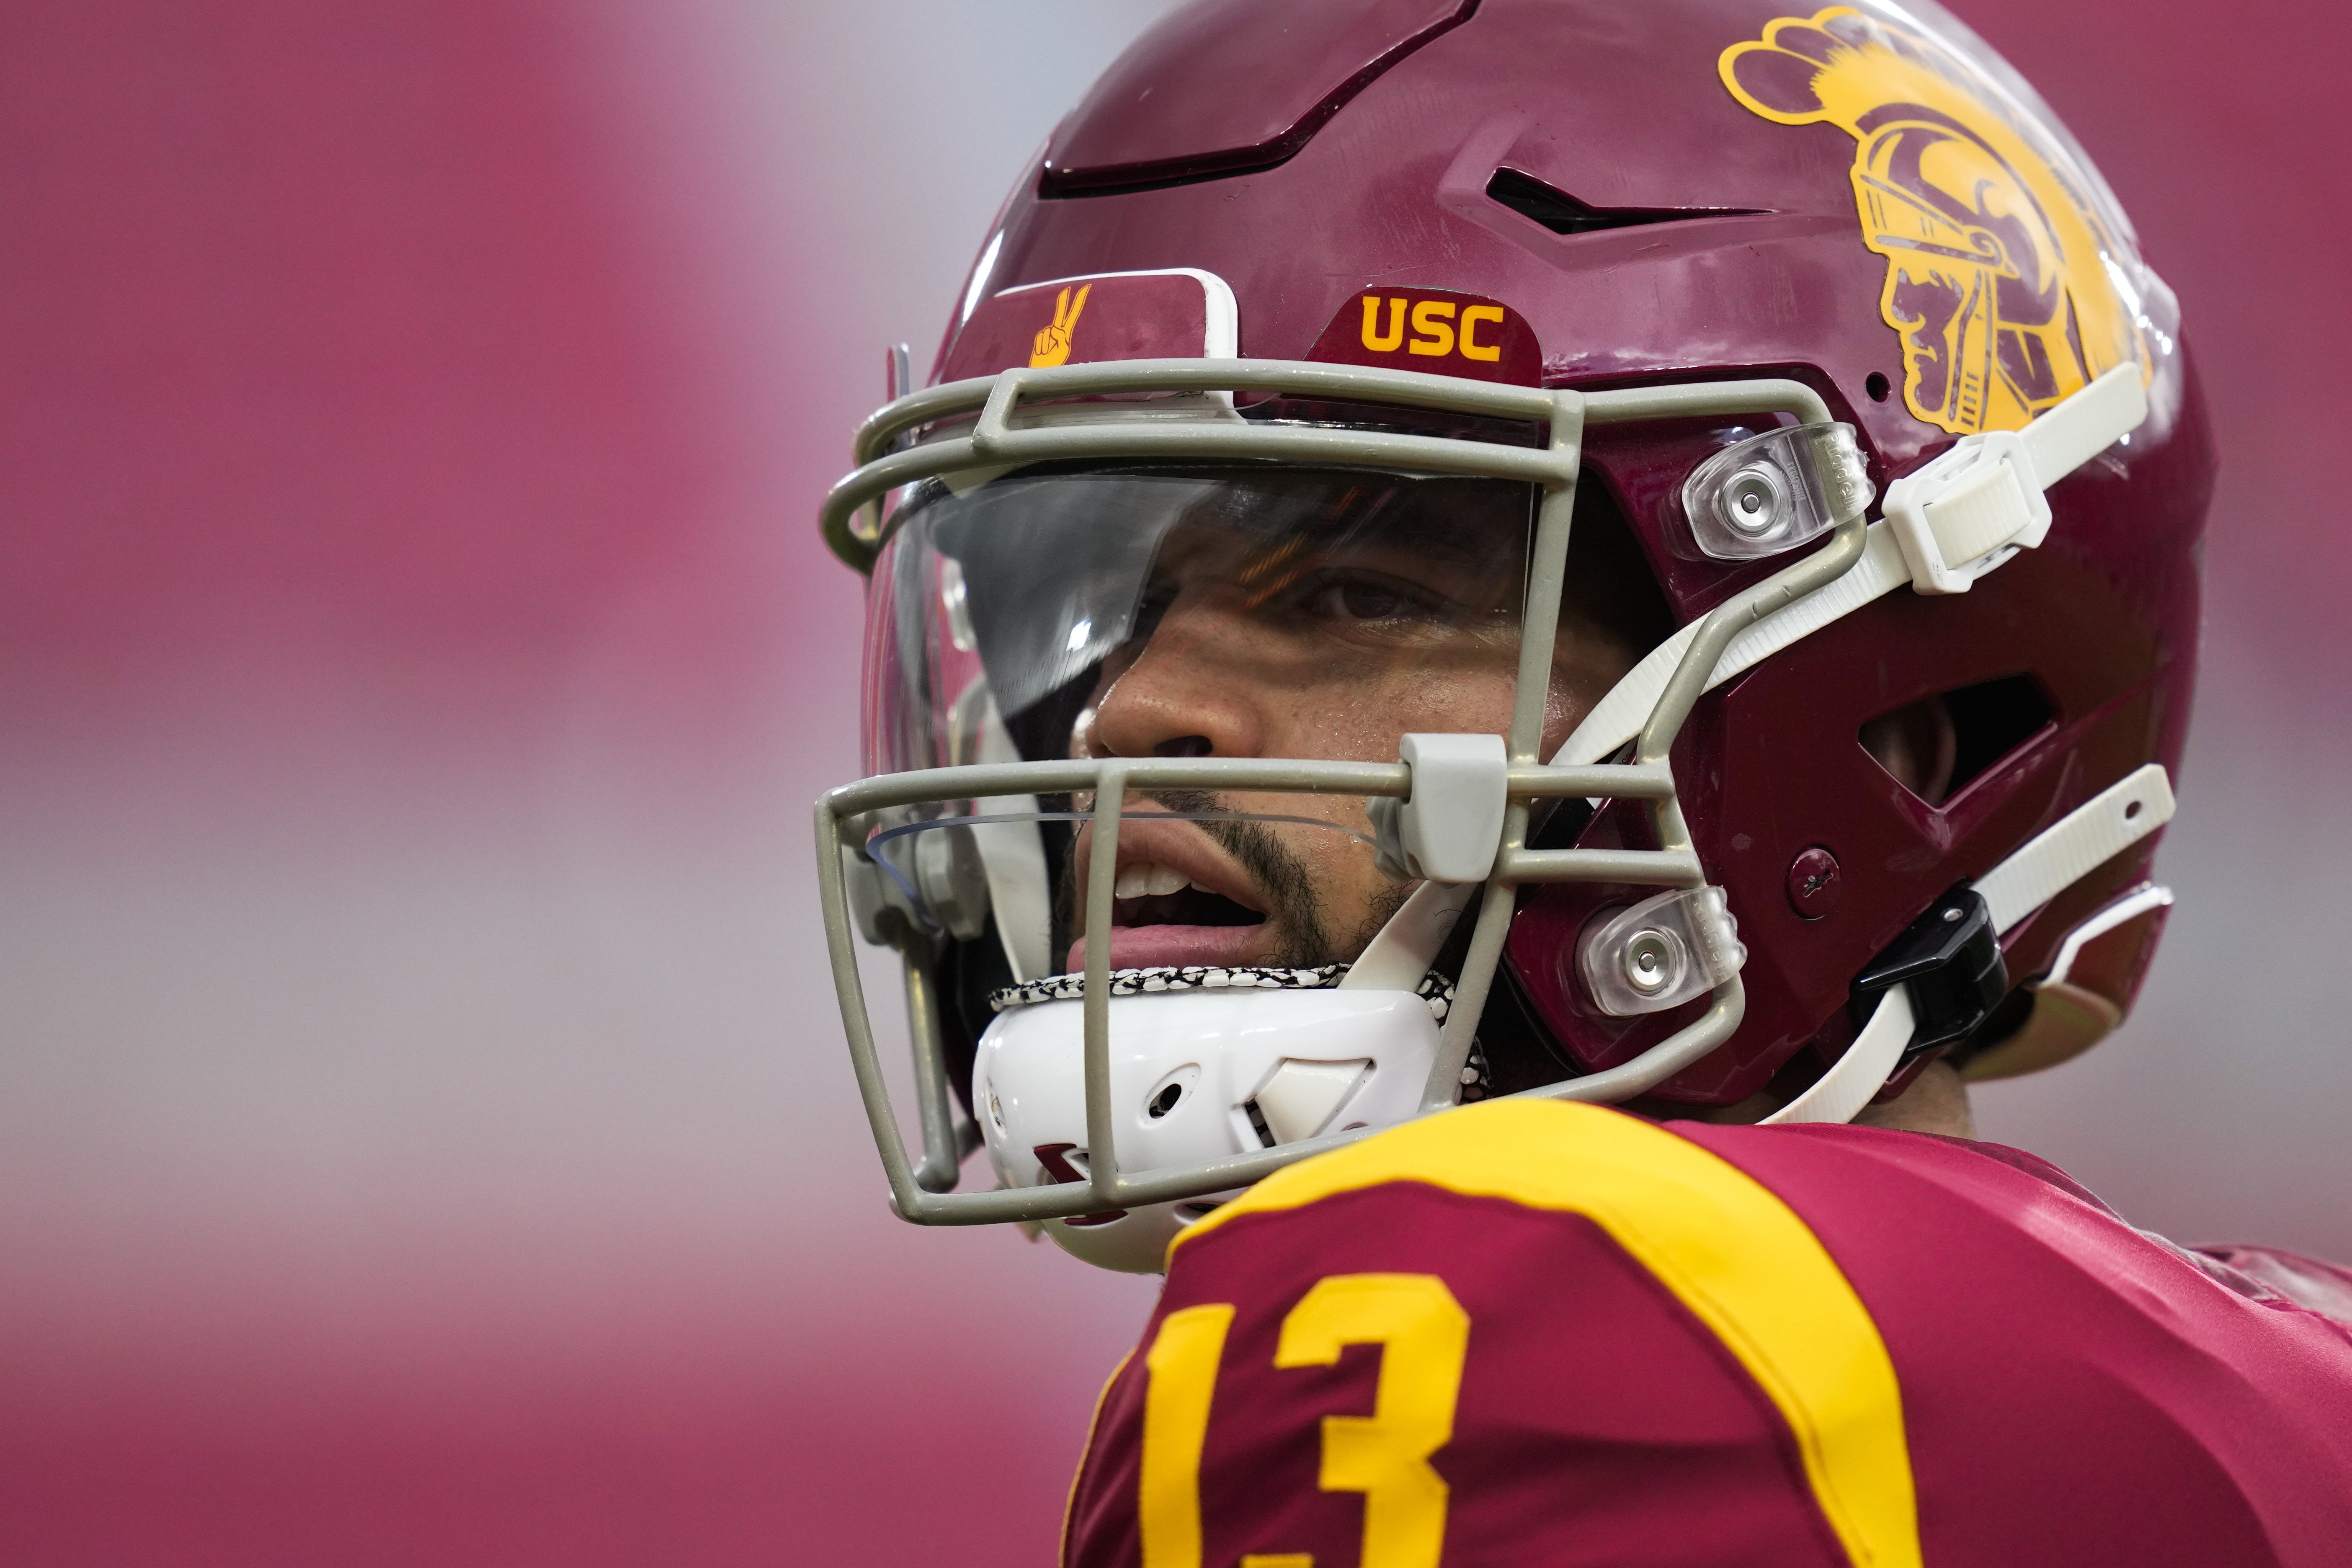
(1030, 595)
(1230, 610)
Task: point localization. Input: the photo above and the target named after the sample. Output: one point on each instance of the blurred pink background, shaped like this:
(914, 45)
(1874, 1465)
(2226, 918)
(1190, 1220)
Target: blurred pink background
(426, 1136)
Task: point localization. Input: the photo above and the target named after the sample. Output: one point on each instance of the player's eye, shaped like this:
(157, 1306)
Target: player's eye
(1374, 599)
(1368, 601)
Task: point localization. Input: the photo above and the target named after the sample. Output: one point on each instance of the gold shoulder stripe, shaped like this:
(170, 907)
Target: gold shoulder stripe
(1733, 1253)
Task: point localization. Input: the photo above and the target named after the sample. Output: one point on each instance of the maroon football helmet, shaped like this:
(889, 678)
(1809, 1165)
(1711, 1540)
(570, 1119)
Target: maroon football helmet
(1295, 360)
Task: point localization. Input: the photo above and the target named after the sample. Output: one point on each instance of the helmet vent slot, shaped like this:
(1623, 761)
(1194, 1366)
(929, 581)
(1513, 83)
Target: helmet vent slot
(1234, 87)
(1940, 745)
(1563, 213)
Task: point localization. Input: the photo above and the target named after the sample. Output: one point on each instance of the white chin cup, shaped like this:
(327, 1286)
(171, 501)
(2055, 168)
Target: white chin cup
(1194, 1076)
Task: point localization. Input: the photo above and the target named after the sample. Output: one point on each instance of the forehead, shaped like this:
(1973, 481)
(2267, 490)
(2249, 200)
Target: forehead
(1454, 522)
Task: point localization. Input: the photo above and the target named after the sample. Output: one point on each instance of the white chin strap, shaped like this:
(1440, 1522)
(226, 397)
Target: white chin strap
(1944, 525)
(2077, 844)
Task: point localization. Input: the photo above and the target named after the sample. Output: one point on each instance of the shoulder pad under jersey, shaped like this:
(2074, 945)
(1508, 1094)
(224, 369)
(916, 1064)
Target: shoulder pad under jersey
(1533, 1331)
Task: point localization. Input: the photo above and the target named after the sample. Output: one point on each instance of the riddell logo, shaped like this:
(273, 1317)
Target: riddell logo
(1440, 332)
(1437, 331)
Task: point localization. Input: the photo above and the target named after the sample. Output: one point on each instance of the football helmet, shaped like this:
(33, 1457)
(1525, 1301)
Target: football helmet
(1456, 548)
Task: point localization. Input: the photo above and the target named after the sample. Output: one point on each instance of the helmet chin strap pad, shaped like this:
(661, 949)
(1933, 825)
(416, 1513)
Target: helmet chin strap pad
(2053, 860)
(1212, 1063)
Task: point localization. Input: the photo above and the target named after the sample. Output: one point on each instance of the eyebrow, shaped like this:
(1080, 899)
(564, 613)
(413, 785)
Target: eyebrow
(1382, 510)
(1432, 527)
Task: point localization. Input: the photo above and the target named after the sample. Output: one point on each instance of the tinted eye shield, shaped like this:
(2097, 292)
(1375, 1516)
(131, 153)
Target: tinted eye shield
(1007, 434)
(1053, 567)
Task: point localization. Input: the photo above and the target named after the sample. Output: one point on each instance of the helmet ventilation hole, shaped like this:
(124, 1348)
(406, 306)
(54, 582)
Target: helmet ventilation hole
(1169, 1091)
(1940, 745)
(1563, 213)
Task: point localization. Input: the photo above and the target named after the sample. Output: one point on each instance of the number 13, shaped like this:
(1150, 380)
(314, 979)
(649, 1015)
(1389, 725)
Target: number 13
(1424, 1334)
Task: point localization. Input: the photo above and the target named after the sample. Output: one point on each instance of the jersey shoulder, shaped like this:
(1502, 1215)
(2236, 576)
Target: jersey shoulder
(1773, 1345)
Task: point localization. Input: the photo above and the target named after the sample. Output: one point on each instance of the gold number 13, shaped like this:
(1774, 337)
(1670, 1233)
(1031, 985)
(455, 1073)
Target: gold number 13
(1424, 1334)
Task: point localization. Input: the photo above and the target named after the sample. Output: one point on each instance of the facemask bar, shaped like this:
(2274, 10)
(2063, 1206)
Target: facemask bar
(1003, 438)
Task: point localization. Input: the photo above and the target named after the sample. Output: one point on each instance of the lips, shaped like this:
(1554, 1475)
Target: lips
(1178, 900)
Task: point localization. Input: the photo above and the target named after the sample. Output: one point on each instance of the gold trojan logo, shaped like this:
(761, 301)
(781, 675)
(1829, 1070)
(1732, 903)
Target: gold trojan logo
(1052, 344)
(1999, 267)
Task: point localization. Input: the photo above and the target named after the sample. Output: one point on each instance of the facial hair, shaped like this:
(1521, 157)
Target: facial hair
(1282, 880)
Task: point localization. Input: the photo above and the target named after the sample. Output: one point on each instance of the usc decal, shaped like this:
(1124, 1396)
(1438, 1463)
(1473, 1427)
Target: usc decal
(2000, 259)
(1434, 331)
(1434, 328)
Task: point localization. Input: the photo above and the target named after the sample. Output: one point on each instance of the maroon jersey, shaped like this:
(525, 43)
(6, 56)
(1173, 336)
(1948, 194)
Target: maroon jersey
(1537, 1332)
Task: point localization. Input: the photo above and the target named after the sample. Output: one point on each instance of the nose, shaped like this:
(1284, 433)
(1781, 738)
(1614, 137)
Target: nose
(1185, 695)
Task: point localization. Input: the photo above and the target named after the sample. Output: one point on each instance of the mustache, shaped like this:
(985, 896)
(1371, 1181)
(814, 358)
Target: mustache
(1280, 877)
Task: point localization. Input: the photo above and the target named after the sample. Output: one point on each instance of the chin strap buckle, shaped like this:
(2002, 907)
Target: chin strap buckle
(1935, 983)
(1955, 985)
(1969, 511)
(1950, 958)
(1981, 502)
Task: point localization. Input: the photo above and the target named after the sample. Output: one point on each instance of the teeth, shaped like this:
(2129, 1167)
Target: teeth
(1147, 879)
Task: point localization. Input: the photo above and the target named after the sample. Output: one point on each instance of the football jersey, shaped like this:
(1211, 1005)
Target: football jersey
(1532, 1331)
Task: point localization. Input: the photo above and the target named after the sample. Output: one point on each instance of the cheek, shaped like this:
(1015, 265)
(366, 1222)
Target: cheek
(1363, 721)
(1583, 672)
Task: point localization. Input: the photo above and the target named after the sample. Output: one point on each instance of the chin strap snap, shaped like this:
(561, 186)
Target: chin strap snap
(1949, 960)
(1949, 982)
(1965, 514)
(1981, 502)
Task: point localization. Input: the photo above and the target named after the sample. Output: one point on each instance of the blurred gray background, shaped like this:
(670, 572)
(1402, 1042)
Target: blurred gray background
(425, 1132)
